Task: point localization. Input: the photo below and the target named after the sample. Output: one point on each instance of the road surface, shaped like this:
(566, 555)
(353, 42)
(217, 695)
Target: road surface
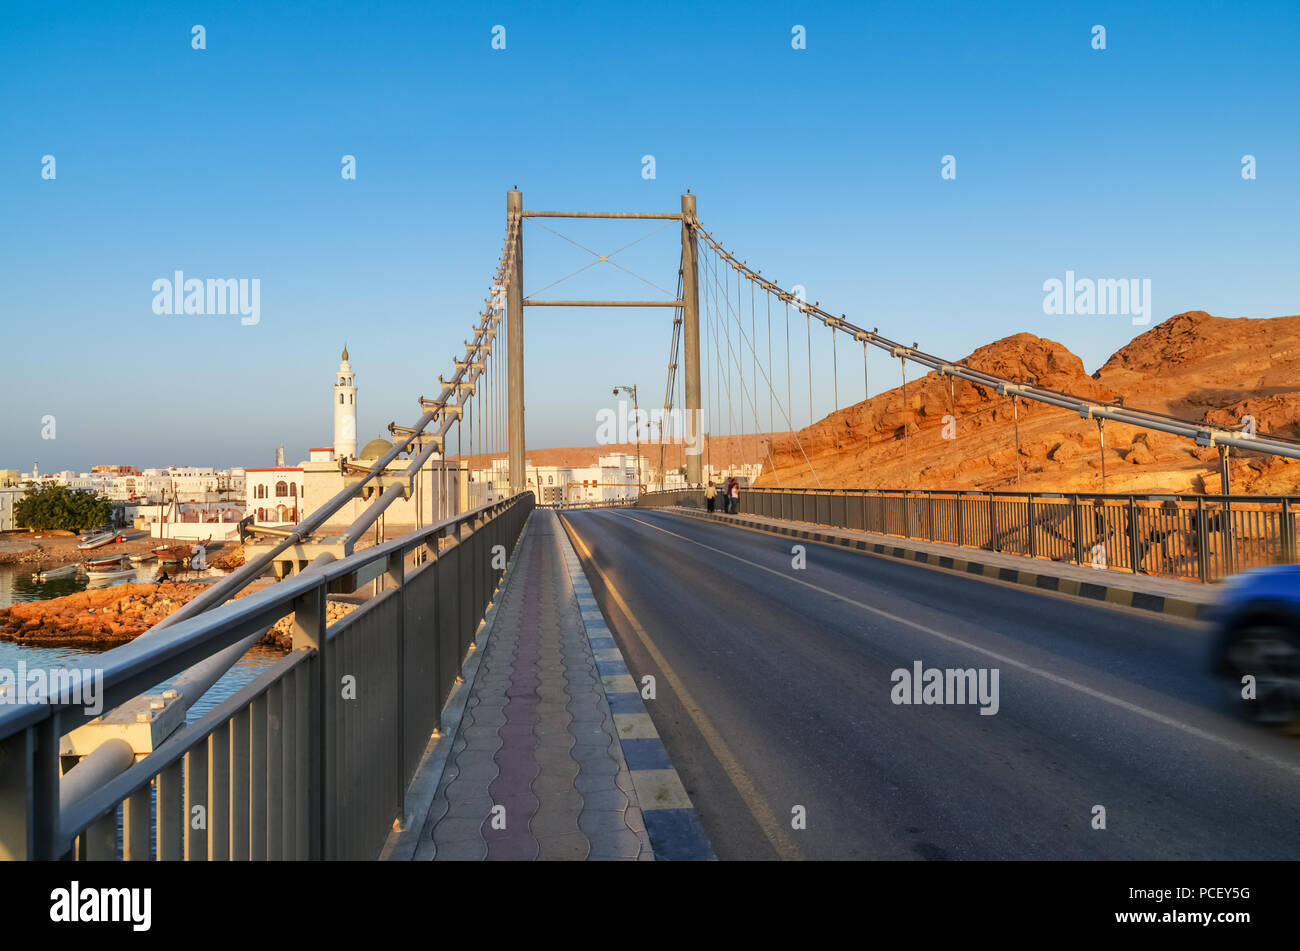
(775, 691)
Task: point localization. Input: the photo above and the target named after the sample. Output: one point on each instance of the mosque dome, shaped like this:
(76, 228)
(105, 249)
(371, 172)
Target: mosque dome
(374, 449)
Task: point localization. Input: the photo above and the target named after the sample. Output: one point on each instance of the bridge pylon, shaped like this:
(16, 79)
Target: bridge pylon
(515, 345)
(694, 437)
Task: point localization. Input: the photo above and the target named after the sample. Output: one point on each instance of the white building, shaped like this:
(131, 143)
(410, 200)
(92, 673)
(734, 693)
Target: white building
(274, 496)
(744, 473)
(186, 483)
(613, 477)
(9, 497)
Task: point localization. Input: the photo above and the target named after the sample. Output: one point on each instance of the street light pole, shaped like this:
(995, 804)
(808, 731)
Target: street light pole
(636, 422)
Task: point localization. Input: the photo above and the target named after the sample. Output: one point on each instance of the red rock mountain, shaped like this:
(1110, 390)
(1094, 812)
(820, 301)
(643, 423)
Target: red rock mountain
(1193, 365)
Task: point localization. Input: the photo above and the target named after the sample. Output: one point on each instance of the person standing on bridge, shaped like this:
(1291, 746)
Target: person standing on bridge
(710, 495)
(733, 496)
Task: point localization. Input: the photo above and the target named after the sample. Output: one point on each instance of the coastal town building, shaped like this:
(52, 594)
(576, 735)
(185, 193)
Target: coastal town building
(744, 473)
(440, 487)
(184, 520)
(285, 494)
(613, 477)
(128, 484)
(275, 496)
(9, 496)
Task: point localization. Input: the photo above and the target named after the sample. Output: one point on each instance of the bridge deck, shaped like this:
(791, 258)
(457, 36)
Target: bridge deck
(1188, 599)
(537, 737)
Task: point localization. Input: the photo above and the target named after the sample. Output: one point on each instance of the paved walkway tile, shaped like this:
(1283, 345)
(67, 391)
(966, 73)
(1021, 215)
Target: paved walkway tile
(536, 769)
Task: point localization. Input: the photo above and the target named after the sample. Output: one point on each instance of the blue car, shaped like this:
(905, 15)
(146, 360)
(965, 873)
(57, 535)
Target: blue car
(1257, 633)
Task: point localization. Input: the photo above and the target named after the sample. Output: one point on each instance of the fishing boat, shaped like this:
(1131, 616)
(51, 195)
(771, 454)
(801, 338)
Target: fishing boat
(100, 540)
(103, 579)
(114, 561)
(104, 568)
(140, 559)
(173, 554)
(50, 574)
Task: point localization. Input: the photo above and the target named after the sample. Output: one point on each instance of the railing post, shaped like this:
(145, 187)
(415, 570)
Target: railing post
(29, 791)
(241, 785)
(1287, 533)
(1133, 533)
(395, 577)
(1202, 542)
(1229, 537)
(309, 623)
(170, 824)
(993, 526)
(1033, 541)
(218, 745)
(929, 498)
(196, 798)
(136, 827)
(960, 526)
(1076, 522)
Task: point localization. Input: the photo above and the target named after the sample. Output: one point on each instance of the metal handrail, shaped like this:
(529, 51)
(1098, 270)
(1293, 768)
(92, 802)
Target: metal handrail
(1196, 537)
(1125, 496)
(135, 667)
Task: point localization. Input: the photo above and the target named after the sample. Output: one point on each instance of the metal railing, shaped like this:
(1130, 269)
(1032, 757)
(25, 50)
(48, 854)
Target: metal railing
(309, 760)
(1193, 537)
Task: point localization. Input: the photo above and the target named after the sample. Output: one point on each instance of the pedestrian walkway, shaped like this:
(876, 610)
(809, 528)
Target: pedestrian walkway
(1186, 599)
(535, 769)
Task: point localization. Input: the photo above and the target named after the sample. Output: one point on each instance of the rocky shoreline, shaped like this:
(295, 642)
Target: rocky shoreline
(42, 550)
(103, 618)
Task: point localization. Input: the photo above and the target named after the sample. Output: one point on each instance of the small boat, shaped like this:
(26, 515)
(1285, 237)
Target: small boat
(172, 554)
(142, 558)
(49, 574)
(99, 578)
(100, 540)
(107, 564)
(104, 568)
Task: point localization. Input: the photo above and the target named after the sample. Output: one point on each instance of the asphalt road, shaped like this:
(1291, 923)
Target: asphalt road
(774, 699)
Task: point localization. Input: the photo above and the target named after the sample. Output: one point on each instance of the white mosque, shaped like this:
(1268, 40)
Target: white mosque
(286, 494)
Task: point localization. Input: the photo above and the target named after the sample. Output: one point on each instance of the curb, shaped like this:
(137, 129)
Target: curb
(1110, 594)
(676, 834)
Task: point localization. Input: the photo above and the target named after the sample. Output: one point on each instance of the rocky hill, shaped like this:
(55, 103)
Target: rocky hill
(946, 434)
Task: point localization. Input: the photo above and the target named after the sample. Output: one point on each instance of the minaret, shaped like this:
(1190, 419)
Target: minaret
(345, 411)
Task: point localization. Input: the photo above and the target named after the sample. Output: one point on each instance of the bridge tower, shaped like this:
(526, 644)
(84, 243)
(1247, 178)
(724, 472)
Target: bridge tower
(345, 411)
(688, 304)
(694, 435)
(515, 347)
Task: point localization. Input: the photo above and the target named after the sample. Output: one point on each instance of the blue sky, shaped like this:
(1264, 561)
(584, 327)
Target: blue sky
(820, 166)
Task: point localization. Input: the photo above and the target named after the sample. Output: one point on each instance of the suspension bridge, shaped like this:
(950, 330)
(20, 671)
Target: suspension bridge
(650, 681)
